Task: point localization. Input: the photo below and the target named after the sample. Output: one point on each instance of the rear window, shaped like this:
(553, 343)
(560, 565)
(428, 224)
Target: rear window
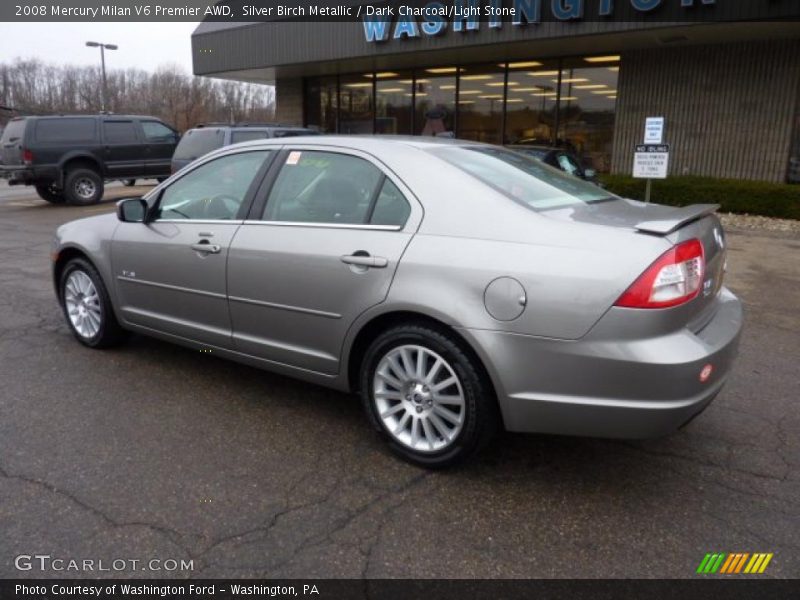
(247, 135)
(66, 130)
(197, 142)
(14, 131)
(523, 179)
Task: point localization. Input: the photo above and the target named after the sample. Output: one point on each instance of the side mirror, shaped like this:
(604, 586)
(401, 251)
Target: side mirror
(132, 210)
(590, 173)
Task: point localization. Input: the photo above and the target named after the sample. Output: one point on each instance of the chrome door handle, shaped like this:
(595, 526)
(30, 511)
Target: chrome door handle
(207, 248)
(365, 260)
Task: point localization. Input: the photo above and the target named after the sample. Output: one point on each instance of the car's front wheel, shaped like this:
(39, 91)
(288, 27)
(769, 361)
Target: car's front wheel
(428, 398)
(87, 306)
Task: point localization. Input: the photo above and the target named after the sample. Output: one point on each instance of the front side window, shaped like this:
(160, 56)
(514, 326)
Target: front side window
(522, 179)
(323, 187)
(214, 190)
(157, 132)
(119, 132)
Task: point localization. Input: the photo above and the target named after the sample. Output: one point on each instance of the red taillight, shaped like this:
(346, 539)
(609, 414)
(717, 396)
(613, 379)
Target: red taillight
(27, 156)
(675, 278)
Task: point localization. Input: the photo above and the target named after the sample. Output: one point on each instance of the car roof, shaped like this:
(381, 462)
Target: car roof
(96, 116)
(364, 142)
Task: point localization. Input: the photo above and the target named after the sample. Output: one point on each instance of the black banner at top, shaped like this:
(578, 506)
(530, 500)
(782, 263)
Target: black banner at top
(428, 11)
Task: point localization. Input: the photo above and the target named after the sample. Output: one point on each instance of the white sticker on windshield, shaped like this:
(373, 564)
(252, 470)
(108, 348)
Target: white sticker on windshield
(294, 158)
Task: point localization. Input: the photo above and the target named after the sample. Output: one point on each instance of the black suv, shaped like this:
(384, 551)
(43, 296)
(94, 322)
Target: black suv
(68, 158)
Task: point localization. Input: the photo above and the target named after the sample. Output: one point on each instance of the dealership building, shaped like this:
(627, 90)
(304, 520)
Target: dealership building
(724, 74)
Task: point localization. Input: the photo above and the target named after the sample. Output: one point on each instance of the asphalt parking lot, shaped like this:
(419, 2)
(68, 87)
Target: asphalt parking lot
(155, 451)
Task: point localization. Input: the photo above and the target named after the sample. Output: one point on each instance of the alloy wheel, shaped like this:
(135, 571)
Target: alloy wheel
(419, 398)
(85, 188)
(83, 304)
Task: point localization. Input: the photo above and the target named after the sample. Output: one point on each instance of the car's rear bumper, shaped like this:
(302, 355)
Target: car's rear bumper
(16, 175)
(600, 386)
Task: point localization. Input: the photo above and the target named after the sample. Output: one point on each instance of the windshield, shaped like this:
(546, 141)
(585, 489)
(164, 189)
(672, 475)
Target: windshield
(521, 178)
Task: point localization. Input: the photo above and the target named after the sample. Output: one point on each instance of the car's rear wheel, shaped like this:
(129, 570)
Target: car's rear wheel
(129, 182)
(83, 186)
(51, 193)
(427, 397)
(87, 306)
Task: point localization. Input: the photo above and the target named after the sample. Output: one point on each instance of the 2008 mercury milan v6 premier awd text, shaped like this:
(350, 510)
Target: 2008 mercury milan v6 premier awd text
(457, 286)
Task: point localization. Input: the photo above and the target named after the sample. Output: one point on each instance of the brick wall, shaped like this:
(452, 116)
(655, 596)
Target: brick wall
(289, 101)
(729, 108)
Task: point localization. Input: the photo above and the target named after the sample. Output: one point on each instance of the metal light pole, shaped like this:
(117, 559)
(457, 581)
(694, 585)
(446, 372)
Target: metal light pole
(103, 48)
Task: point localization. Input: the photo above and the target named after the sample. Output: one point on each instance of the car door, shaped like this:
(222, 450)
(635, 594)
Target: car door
(170, 272)
(122, 148)
(160, 142)
(319, 248)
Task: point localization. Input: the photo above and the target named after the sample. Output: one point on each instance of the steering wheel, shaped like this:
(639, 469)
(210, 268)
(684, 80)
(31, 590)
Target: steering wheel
(221, 206)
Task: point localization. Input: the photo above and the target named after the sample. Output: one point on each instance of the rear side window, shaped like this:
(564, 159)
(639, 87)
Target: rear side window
(323, 187)
(14, 131)
(119, 132)
(247, 135)
(70, 129)
(198, 142)
(391, 207)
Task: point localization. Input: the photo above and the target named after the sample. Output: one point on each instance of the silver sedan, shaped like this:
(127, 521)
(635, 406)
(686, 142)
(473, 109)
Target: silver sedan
(458, 287)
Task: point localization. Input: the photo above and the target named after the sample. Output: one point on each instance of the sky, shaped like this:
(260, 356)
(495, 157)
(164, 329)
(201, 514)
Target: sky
(141, 45)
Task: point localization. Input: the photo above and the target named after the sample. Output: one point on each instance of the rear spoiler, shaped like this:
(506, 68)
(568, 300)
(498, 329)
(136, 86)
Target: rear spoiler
(680, 217)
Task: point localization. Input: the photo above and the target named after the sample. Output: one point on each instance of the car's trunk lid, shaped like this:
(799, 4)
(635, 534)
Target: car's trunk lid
(675, 225)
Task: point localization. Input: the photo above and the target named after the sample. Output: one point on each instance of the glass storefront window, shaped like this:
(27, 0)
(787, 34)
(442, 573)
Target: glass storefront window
(394, 102)
(587, 108)
(355, 104)
(480, 103)
(321, 103)
(435, 101)
(578, 115)
(531, 102)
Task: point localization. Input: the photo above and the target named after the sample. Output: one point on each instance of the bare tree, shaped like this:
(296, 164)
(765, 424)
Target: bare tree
(31, 86)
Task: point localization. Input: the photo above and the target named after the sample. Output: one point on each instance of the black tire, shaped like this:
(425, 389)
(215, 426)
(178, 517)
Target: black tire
(161, 179)
(480, 405)
(48, 191)
(129, 182)
(109, 332)
(83, 187)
